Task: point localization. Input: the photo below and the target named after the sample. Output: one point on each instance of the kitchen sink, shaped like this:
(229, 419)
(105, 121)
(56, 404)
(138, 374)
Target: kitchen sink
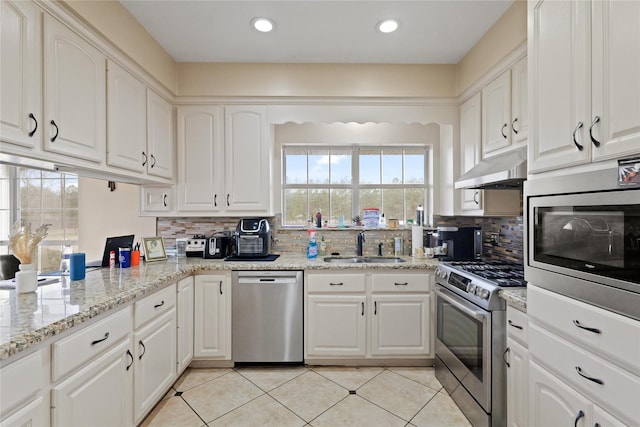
(360, 260)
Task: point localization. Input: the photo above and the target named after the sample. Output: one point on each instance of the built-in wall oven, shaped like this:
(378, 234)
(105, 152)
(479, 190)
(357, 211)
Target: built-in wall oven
(471, 336)
(583, 239)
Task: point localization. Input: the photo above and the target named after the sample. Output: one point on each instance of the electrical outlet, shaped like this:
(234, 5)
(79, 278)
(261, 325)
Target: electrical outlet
(494, 238)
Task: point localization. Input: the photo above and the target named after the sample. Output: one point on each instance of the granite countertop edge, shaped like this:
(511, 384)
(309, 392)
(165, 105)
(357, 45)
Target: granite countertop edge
(117, 288)
(516, 298)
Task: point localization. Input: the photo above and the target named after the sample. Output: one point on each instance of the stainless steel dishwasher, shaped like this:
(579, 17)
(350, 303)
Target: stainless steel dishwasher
(267, 316)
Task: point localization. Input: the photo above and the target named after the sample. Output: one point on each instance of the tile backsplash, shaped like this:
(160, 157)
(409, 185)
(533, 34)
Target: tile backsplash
(287, 240)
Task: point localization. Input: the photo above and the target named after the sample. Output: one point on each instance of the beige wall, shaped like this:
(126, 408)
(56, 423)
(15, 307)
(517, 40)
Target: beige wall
(504, 36)
(115, 22)
(109, 213)
(351, 80)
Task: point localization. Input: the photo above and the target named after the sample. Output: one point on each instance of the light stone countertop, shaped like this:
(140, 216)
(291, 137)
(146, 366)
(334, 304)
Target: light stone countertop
(29, 319)
(516, 297)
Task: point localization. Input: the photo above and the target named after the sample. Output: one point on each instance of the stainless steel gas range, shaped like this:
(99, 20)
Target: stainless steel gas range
(471, 336)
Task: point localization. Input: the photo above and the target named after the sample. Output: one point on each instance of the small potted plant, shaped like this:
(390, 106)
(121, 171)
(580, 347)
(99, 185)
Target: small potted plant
(23, 243)
(357, 221)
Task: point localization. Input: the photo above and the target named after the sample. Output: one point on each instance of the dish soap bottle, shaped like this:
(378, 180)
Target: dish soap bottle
(312, 249)
(323, 246)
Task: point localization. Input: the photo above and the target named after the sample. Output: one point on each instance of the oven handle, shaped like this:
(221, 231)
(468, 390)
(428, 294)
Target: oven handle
(461, 305)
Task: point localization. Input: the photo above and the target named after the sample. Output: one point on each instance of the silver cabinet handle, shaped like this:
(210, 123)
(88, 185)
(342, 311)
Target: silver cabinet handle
(595, 142)
(401, 284)
(336, 284)
(578, 145)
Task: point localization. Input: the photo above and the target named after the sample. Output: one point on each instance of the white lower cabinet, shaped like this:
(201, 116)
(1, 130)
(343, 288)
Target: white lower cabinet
(212, 325)
(99, 394)
(336, 325)
(185, 323)
(155, 369)
(516, 357)
(368, 315)
(24, 391)
(400, 325)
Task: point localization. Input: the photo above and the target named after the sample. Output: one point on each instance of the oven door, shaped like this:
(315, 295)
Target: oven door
(463, 343)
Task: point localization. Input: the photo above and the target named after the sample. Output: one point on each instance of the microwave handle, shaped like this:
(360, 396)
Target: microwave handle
(476, 314)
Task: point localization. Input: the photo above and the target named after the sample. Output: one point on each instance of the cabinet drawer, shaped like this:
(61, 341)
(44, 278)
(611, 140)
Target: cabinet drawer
(73, 351)
(517, 325)
(614, 337)
(401, 282)
(153, 306)
(618, 391)
(336, 282)
(21, 380)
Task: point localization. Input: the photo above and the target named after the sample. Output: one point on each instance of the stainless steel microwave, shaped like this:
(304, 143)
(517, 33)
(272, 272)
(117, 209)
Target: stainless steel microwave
(583, 239)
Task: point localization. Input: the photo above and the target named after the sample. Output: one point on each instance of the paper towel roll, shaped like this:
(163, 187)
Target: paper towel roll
(416, 241)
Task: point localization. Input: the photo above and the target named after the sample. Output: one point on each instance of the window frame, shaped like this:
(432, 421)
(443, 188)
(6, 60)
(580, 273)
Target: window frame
(355, 185)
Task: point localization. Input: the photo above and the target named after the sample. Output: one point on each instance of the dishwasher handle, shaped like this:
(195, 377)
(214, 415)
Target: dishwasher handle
(266, 280)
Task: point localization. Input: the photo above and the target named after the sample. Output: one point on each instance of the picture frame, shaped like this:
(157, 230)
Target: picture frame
(154, 249)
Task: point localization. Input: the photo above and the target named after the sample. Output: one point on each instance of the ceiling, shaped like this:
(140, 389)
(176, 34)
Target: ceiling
(317, 31)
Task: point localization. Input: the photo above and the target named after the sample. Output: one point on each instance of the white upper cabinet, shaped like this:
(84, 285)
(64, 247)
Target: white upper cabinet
(224, 167)
(74, 94)
(20, 54)
(126, 119)
(584, 63)
(200, 159)
(247, 160)
(160, 136)
(615, 43)
(470, 147)
(496, 114)
(520, 103)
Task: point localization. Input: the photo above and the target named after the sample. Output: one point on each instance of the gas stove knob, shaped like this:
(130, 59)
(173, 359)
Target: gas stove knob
(482, 293)
(471, 288)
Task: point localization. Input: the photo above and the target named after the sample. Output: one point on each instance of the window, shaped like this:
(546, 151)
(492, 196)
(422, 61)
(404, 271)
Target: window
(342, 181)
(40, 197)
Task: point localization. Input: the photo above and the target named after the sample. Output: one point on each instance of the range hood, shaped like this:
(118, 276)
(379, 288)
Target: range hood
(503, 172)
(25, 162)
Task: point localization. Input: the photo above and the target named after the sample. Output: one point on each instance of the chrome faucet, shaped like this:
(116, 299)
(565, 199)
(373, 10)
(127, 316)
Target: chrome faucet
(361, 240)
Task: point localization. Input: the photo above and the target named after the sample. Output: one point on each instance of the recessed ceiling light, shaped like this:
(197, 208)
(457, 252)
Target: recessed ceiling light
(264, 25)
(388, 25)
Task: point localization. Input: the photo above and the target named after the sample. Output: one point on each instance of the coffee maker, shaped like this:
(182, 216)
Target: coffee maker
(455, 243)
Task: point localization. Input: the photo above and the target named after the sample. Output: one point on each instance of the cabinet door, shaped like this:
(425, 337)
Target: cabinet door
(247, 148)
(470, 147)
(160, 136)
(156, 199)
(601, 418)
(212, 317)
(559, 64)
(553, 403)
(519, 103)
(34, 413)
(401, 325)
(155, 362)
(185, 323)
(99, 394)
(74, 93)
(200, 159)
(336, 325)
(496, 114)
(21, 77)
(517, 359)
(616, 83)
(126, 120)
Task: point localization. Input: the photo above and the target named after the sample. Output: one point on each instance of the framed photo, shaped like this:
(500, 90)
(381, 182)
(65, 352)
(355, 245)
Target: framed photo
(154, 249)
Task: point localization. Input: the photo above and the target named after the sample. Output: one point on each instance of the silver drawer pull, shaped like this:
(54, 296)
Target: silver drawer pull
(514, 325)
(336, 284)
(583, 375)
(586, 328)
(401, 284)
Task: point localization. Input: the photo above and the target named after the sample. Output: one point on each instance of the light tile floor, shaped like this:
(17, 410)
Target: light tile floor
(301, 396)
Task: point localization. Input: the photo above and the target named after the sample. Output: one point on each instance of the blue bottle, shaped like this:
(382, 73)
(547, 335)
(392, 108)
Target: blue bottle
(312, 249)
